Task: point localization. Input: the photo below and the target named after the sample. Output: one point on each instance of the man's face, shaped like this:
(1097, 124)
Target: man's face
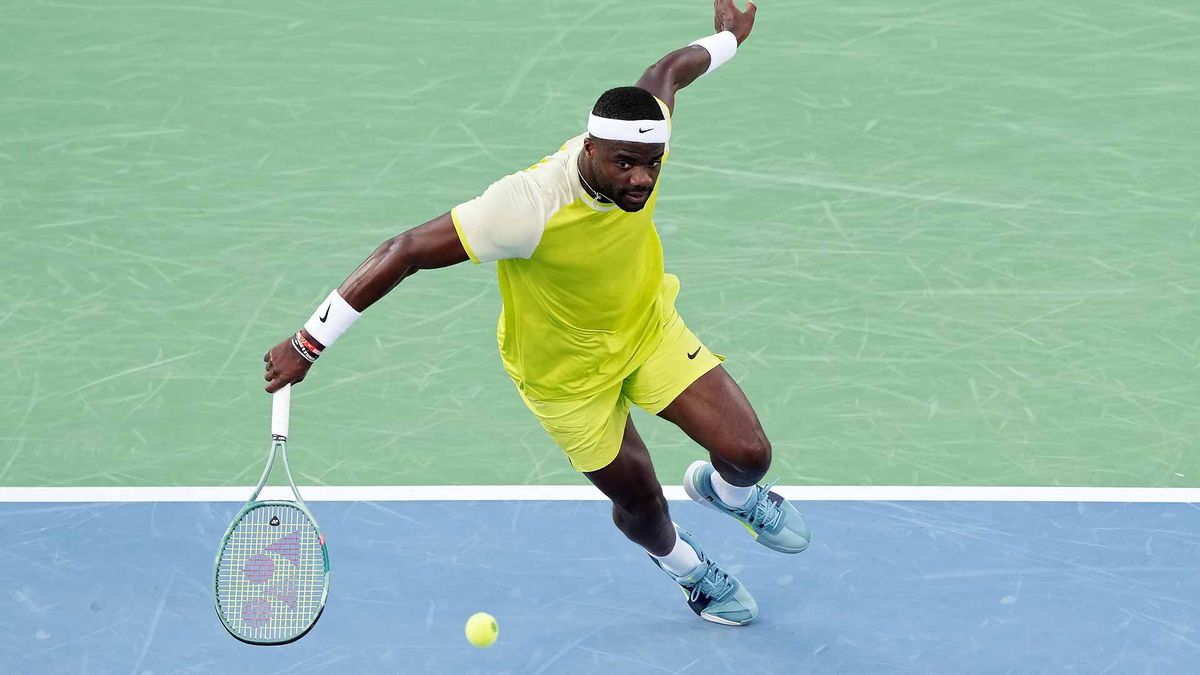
(626, 172)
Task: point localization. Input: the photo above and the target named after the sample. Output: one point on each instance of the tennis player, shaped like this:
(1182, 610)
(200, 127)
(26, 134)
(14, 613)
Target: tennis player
(589, 328)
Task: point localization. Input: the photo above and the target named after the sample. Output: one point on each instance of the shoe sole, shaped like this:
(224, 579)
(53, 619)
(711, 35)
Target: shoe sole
(689, 486)
(723, 622)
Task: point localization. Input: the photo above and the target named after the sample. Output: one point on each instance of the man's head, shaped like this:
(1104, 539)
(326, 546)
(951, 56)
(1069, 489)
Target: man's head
(626, 169)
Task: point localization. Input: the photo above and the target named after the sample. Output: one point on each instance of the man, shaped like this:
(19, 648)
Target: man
(589, 326)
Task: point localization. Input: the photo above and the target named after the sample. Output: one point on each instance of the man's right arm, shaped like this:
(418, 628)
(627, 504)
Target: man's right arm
(430, 246)
(425, 247)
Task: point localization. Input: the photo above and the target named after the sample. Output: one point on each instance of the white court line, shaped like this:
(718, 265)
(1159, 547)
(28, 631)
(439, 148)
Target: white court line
(405, 493)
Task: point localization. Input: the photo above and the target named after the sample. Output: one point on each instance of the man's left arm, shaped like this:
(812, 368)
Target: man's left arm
(682, 66)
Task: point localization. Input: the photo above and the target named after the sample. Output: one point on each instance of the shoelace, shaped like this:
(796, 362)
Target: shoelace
(715, 583)
(763, 512)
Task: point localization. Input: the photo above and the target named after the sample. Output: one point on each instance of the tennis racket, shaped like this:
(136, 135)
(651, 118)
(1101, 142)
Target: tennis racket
(271, 574)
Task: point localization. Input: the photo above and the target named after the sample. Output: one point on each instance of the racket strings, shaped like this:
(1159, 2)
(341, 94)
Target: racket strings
(270, 581)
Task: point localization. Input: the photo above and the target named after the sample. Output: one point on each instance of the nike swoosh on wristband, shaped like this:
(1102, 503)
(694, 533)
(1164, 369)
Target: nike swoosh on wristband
(642, 131)
(326, 314)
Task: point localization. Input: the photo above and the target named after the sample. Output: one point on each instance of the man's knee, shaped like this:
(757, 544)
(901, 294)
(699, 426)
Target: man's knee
(641, 504)
(750, 455)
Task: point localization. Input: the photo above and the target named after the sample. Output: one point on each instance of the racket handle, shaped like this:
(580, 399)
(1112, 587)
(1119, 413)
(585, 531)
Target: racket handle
(281, 407)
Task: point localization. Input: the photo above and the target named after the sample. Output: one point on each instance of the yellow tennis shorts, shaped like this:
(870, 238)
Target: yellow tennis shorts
(590, 430)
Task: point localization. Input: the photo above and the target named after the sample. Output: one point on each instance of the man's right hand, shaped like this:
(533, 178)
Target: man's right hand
(284, 366)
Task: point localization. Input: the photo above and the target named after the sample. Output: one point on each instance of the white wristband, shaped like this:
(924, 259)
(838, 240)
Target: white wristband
(721, 47)
(331, 319)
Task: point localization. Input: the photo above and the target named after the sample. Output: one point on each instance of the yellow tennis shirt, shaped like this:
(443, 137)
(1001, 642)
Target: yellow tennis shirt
(580, 280)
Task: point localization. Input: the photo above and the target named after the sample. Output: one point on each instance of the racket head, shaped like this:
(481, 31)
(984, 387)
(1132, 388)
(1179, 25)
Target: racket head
(271, 573)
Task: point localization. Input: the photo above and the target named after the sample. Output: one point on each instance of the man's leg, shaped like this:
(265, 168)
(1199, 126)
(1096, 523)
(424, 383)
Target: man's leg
(714, 412)
(639, 507)
(640, 512)
(602, 444)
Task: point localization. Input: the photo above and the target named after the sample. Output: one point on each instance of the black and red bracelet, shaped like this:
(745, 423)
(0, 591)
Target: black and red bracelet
(309, 351)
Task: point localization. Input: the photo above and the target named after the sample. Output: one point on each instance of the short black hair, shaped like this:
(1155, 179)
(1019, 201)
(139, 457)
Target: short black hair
(627, 103)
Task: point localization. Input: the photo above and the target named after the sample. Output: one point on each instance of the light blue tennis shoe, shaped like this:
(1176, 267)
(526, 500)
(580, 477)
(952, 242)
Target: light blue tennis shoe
(773, 521)
(712, 593)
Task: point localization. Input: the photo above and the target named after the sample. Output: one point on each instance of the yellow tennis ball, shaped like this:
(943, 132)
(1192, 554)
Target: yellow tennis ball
(482, 629)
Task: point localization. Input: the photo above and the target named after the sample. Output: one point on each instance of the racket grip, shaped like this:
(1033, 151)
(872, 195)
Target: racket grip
(281, 408)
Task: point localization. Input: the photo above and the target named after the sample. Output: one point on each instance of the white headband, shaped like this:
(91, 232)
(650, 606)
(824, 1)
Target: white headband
(635, 131)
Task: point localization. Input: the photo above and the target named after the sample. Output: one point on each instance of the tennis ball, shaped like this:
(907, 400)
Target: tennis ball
(482, 629)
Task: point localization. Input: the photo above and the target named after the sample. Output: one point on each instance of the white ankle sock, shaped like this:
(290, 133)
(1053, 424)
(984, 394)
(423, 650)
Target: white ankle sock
(733, 495)
(682, 559)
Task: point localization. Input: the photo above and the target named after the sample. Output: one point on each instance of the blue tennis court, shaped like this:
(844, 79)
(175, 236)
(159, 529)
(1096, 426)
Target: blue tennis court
(886, 587)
